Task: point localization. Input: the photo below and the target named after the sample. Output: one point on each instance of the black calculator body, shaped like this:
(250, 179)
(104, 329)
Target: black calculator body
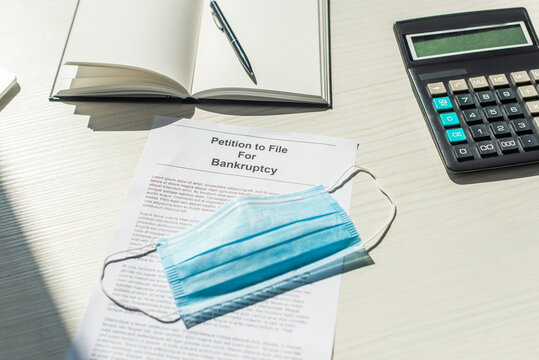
(475, 76)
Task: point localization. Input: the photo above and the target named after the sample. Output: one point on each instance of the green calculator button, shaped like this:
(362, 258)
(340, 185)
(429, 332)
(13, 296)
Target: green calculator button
(455, 135)
(449, 120)
(442, 104)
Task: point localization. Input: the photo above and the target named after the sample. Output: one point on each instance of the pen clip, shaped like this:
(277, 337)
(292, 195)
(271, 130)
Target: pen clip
(215, 21)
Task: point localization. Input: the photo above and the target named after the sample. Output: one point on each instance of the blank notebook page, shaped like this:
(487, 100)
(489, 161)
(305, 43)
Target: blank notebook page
(158, 35)
(280, 38)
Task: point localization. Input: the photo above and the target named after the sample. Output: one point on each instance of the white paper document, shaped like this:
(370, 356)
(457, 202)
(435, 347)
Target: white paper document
(188, 170)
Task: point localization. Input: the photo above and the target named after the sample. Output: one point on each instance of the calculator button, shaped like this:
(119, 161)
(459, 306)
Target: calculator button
(486, 98)
(536, 122)
(436, 89)
(508, 145)
(479, 132)
(527, 92)
(506, 95)
(457, 86)
(529, 142)
(464, 101)
(513, 110)
(535, 74)
(455, 135)
(449, 120)
(533, 107)
(486, 149)
(521, 126)
(498, 80)
(479, 82)
(500, 129)
(520, 77)
(442, 104)
(472, 116)
(463, 152)
(493, 113)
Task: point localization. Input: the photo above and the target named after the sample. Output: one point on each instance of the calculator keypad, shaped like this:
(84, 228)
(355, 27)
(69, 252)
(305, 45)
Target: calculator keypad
(489, 116)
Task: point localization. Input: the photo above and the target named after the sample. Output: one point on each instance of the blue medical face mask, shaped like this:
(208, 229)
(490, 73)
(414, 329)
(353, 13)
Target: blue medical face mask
(255, 246)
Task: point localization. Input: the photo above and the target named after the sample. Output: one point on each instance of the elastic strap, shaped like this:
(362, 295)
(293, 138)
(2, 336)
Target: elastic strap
(161, 318)
(375, 239)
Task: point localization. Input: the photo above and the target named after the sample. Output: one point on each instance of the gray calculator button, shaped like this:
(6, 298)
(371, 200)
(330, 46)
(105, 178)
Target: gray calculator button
(464, 101)
(479, 132)
(500, 129)
(513, 110)
(529, 142)
(457, 86)
(493, 113)
(487, 148)
(463, 152)
(535, 74)
(506, 95)
(498, 80)
(533, 107)
(479, 82)
(486, 98)
(521, 126)
(472, 116)
(527, 92)
(436, 89)
(520, 77)
(508, 145)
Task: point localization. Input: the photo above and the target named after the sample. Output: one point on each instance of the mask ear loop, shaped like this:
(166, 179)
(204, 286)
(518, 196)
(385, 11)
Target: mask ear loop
(107, 262)
(161, 318)
(375, 239)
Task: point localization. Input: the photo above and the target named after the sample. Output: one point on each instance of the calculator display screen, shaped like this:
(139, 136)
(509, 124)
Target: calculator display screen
(468, 40)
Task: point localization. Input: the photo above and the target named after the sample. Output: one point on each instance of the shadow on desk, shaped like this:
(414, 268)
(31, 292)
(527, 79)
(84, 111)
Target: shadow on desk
(133, 115)
(496, 175)
(31, 327)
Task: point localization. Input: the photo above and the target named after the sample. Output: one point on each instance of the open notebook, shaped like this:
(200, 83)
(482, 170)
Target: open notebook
(173, 48)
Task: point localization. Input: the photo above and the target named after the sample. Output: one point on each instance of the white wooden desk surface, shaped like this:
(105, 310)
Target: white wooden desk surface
(457, 277)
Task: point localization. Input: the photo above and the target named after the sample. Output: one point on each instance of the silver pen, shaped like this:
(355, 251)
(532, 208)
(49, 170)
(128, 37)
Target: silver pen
(225, 27)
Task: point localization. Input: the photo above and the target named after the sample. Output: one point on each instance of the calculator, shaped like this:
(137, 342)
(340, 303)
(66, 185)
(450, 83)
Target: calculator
(475, 76)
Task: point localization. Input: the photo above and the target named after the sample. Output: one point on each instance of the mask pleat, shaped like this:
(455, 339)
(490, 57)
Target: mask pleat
(262, 240)
(244, 223)
(261, 265)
